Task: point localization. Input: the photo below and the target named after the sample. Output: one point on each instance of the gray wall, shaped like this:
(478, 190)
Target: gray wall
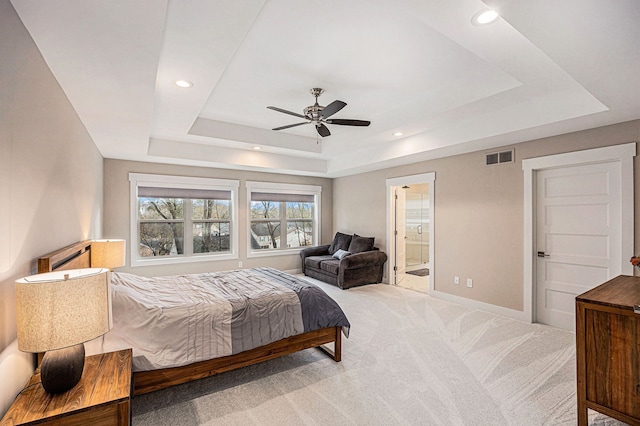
(116, 224)
(50, 181)
(478, 212)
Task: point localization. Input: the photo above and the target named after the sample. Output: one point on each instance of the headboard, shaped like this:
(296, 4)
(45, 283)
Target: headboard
(74, 256)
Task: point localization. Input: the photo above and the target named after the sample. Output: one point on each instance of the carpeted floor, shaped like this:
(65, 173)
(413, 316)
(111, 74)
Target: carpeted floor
(410, 360)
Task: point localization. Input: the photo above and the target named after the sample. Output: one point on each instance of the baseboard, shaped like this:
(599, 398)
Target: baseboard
(470, 303)
(475, 304)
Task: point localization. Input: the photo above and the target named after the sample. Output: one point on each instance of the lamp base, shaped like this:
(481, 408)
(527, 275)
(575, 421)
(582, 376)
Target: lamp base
(61, 369)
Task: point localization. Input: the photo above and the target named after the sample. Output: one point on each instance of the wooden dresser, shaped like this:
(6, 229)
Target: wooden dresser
(102, 397)
(608, 350)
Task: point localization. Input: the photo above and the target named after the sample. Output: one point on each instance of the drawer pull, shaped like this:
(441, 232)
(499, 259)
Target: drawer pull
(636, 309)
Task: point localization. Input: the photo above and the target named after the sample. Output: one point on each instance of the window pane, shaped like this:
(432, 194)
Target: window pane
(211, 209)
(160, 208)
(161, 239)
(299, 210)
(265, 210)
(265, 235)
(299, 233)
(211, 237)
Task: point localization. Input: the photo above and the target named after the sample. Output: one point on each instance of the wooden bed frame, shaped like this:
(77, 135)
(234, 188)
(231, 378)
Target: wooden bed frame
(78, 255)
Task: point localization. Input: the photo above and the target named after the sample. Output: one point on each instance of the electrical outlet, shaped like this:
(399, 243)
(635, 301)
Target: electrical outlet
(239, 264)
(469, 282)
(456, 280)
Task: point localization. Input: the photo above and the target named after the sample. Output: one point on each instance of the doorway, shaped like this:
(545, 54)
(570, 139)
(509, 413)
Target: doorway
(410, 231)
(416, 218)
(579, 227)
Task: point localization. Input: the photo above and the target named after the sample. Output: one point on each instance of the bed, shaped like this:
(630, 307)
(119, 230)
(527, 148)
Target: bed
(300, 316)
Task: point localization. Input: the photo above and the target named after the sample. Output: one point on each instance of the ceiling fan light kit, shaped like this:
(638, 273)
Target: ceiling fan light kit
(319, 115)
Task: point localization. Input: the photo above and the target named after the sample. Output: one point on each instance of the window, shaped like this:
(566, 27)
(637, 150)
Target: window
(282, 217)
(182, 219)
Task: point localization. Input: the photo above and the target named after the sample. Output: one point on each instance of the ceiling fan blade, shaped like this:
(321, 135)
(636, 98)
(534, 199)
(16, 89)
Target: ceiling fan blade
(286, 112)
(332, 108)
(323, 130)
(347, 122)
(291, 125)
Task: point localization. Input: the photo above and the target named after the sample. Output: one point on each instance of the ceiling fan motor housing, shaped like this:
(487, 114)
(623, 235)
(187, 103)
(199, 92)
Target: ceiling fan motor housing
(313, 112)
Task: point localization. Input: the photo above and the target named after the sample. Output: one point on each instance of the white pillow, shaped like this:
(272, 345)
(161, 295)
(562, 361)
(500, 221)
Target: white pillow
(339, 254)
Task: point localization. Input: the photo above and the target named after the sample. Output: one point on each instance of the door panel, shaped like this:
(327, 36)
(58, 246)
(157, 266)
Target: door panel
(578, 223)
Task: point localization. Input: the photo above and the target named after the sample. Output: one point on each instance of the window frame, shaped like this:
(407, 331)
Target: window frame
(284, 188)
(137, 180)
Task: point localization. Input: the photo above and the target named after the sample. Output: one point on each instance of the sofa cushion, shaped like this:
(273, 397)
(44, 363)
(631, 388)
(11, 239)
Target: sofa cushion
(340, 241)
(340, 254)
(332, 266)
(315, 261)
(359, 244)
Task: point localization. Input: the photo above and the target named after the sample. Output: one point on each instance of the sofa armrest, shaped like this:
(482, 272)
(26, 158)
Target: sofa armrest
(315, 251)
(363, 259)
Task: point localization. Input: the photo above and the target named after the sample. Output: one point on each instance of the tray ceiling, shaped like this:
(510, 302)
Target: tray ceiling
(420, 67)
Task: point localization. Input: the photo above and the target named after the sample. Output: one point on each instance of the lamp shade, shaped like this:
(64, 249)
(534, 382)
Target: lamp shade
(107, 253)
(63, 308)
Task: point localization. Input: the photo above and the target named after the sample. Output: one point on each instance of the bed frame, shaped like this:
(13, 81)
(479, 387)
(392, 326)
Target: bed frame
(78, 255)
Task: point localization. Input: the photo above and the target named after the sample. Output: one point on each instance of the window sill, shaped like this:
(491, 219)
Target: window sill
(178, 260)
(268, 253)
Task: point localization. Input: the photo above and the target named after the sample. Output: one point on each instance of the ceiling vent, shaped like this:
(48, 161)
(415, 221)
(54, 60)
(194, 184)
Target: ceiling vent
(500, 157)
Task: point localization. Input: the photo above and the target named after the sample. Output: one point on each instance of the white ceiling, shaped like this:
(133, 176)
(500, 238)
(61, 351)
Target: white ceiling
(417, 66)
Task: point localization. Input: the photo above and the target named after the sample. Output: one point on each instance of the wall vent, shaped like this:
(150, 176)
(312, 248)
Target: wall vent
(494, 158)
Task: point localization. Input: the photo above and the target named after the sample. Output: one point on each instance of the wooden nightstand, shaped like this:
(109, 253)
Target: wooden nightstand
(102, 397)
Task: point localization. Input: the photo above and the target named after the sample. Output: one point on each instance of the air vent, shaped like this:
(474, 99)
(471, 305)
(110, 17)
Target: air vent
(494, 158)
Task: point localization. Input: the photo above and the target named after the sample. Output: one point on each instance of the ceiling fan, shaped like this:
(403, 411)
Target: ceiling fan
(319, 115)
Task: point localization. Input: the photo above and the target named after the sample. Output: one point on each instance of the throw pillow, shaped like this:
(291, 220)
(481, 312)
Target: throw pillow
(359, 244)
(341, 254)
(340, 241)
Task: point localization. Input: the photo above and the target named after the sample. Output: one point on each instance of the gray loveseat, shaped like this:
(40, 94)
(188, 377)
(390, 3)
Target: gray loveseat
(349, 261)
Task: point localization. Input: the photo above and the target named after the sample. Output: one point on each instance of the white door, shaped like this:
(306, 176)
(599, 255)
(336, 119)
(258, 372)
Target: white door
(579, 237)
(401, 235)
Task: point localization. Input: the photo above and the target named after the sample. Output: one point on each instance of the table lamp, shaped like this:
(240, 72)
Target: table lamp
(108, 253)
(56, 313)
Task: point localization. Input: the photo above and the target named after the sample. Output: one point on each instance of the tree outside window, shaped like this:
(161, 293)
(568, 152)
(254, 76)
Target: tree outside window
(161, 226)
(166, 223)
(277, 222)
(179, 219)
(211, 225)
(299, 224)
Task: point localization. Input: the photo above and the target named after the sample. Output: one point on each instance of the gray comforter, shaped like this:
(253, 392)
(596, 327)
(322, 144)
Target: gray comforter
(178, 320)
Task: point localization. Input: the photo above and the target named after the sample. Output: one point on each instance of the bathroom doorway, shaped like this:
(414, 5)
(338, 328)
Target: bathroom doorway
(417, 228)
(410, 221)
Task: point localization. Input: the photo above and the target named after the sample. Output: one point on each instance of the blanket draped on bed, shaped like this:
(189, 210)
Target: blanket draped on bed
(178, 320)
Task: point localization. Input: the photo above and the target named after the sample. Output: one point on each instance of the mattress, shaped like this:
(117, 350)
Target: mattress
(178, 320)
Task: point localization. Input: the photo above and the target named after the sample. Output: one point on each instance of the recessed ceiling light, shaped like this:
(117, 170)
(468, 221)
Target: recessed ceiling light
(397, 134)
(484, 17)
(184, 84)
(257, 148)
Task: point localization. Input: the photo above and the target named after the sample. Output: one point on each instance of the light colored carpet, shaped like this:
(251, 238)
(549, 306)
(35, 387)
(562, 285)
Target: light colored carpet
(410, 360)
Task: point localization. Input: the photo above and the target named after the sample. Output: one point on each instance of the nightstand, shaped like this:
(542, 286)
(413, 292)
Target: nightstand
(102, 397)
